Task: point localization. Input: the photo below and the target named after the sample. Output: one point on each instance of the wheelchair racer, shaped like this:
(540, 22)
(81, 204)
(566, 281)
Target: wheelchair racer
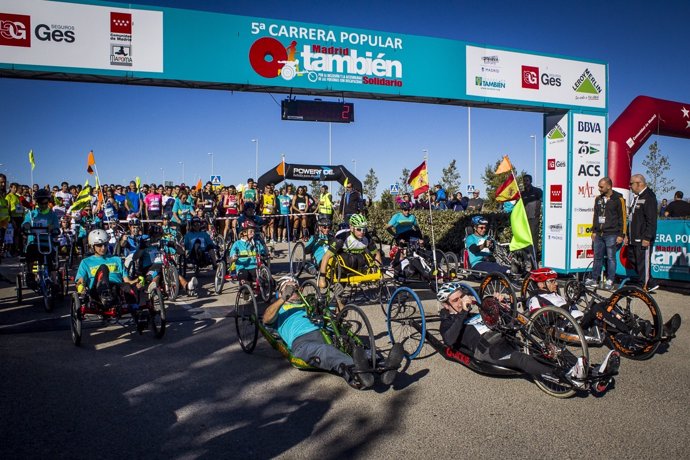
(460, 329)
(244, 253)
(480, 248)
(319, 244)
(547, 295)
(403, 225)
(353, 249)
(42, 217)
(103, 274)
(199, 245)
(305, 341)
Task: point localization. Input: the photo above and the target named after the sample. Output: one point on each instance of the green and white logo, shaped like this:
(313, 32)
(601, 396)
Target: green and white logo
(556, 133)
(587, 84)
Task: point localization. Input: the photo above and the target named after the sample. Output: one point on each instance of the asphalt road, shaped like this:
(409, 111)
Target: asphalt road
(196, 394)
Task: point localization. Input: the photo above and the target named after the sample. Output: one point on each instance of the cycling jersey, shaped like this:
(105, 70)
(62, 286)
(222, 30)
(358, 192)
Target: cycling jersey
(109, 209)
(402, 223)
(269, 204)
(292, 322)
(182, 212)
(89, 266)
(484, 255)
(46, 219)
(247, 252)
(318, 245)
(243, 218)
(354, 246)
(191, 237)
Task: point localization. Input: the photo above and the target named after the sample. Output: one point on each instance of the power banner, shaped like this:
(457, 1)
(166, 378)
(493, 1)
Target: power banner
(188, 48)
(291, 171)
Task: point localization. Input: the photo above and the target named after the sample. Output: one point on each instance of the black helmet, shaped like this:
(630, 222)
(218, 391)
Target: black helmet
(196, 220)
(405, 206)
(323, 221)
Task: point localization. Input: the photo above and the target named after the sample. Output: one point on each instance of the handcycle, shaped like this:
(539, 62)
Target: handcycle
(151, 314)
(49, 285)
(171, 279)
(263, 284)
(217, 238)
(539, 335)
(631, 320)
(345, 329)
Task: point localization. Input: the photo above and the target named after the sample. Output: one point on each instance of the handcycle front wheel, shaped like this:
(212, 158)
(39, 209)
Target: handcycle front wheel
(246, 318)
(219, 279)
(265, 283)
(76, 319)
(498, 285)
(172, 282)
(406, 322)
(641, 314)
(554, 337)
(298, 257)
(355, 331)
(157, 313)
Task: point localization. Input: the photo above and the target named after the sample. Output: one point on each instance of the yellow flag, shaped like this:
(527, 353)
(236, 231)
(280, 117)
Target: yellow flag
(31, 159)
(505, 165)
(522, 235)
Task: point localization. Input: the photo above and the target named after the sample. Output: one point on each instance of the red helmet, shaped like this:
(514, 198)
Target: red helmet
(541, 275)
(247, 224)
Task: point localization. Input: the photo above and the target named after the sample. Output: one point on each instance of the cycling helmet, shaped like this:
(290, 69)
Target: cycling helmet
(98, 236)
(479, 220)
(66, 218)
(133, 220)
(42, 194)
(490, 309)
(541, 275)
(358, 221)
(247, 224)
(285, 280)
(446, 290)
(405, 206)
(196, 220)
(323, 221)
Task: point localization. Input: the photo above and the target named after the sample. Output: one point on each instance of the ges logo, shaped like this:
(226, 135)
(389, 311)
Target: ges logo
(531, 78)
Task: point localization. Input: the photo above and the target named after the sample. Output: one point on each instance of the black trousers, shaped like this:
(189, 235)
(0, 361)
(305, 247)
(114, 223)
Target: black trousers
(639, 258)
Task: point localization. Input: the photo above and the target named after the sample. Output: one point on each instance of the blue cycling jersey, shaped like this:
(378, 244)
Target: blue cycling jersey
(292, 322)
(247, 252)
(89, 266)
(402, 223)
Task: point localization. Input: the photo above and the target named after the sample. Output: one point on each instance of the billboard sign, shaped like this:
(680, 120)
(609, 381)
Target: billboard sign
(556, 187)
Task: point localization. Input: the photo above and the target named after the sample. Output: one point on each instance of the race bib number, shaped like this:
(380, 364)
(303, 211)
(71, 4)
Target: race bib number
(301, 206)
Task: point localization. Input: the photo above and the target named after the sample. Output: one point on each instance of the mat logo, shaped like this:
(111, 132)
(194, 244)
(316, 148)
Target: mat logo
(586, 190)
(530, 77)
(14, 30)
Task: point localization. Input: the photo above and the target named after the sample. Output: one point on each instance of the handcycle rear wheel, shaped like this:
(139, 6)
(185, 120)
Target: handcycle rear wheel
(404, 310)
(219, 279)
(452, 262)
(246, 318)
(527, 291)
(76, 319)
(157, 313)
(298, 257)
(553, 336)
(355, 331)
(172, 282)
(19, 289)
(498, 285)
(47, 293)
(640, 312)
(310, 288)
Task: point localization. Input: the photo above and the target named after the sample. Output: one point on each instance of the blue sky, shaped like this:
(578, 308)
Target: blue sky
(136, 130)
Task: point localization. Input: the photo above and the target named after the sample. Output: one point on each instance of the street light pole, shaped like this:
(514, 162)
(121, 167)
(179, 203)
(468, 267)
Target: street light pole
(534, 138)
(182, 163)
(330, 151)
(163, 171)
(354, 162)
(211, 154)
(256, 171)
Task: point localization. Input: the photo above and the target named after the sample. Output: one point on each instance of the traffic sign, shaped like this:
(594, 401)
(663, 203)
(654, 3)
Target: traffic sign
(395, 189)
(470, 188)
(215, 180)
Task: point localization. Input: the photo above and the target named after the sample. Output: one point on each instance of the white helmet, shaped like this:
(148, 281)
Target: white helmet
(98, 236)
(285, 280)
(446, 290)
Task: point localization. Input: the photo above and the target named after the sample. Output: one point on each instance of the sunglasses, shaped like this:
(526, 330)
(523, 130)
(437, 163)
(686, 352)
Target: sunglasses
(360, 229)
(480, 227)
(99, 245)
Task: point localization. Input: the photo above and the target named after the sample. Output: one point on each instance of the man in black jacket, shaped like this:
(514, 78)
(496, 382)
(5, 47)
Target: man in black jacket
(350, 202)
(608, 231)
(642, 229)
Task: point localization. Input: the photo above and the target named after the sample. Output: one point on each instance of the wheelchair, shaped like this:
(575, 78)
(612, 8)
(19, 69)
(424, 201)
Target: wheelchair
(151, 313)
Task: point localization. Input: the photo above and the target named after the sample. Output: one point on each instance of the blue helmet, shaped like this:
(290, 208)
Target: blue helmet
(479, 220)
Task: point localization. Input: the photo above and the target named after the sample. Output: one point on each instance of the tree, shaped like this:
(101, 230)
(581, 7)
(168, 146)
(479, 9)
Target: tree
(314, 189)
(657, 165)
(371, 182)
(404, 177)
(450, 179)
(387, 200)
(493, 181)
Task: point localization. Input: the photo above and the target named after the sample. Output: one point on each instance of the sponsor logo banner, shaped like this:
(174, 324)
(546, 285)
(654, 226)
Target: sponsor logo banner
(584, 230)
(15, 30)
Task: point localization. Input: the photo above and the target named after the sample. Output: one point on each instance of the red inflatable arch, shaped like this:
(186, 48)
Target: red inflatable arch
(642, 118)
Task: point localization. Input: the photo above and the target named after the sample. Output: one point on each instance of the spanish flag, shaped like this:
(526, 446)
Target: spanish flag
(505, 166)
(419, 179)
(509, 191)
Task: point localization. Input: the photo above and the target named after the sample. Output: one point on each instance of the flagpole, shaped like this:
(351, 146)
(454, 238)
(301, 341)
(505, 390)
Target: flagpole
(534, 249)
(31, 172)
(287, 220)
(431, 219)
